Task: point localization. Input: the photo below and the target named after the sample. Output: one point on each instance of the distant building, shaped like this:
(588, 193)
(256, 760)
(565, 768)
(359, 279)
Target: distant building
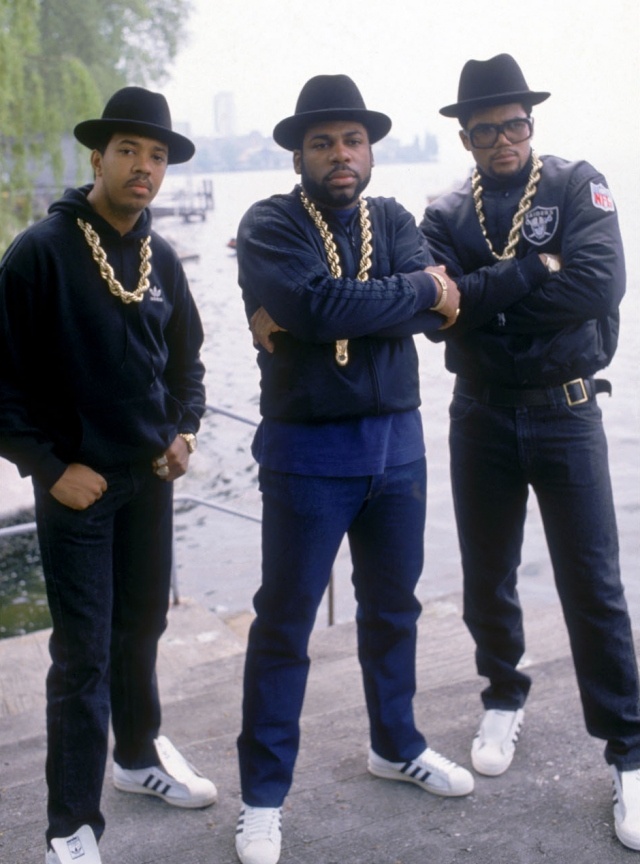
(224, 115)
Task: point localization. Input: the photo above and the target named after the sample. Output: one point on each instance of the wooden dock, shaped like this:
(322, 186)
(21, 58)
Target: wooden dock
(185, 204)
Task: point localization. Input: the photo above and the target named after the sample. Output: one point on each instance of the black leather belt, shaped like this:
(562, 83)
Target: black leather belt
(574, 392)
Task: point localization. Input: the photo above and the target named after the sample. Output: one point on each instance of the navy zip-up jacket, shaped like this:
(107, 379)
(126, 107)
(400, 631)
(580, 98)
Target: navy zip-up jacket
(283, 267)
(85, 377)
(519, 326)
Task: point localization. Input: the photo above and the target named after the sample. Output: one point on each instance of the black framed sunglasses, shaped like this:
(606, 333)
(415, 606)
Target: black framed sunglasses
(485, 135)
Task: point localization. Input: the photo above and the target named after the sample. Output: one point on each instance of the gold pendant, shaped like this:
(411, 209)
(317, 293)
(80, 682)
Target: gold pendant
(342, 354)
(331, 251)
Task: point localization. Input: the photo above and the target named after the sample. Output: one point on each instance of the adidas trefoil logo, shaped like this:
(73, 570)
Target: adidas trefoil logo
(75, 847)
(155, 294)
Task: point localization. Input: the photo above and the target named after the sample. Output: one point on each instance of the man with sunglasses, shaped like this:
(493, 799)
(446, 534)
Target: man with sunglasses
(534, 246)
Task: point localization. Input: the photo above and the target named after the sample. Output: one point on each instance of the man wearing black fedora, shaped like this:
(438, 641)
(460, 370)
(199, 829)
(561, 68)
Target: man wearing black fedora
(534, 245)
(335, 285)
(101, 394)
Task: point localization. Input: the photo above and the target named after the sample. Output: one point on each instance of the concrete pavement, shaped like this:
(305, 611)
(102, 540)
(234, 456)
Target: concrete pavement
(553, 806)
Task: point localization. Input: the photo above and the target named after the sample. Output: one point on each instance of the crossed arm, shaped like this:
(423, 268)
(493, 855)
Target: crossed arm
(287, 285)
(263, 326)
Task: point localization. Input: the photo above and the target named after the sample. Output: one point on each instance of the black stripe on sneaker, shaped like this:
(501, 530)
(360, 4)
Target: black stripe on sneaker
(156, 785)
(415, 771)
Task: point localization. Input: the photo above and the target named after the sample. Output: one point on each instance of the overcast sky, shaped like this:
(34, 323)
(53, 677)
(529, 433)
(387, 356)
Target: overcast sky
(406, 57)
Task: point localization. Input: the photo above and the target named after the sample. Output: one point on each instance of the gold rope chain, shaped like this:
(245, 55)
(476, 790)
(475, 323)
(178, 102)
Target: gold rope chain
(106, 270)
(525, 204)
(342, 353)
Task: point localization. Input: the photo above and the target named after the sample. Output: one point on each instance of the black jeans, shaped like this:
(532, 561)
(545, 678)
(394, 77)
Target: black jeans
(561, 452)
(108, 572)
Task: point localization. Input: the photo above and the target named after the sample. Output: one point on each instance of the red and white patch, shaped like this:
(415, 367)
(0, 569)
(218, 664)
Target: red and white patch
(602, 198)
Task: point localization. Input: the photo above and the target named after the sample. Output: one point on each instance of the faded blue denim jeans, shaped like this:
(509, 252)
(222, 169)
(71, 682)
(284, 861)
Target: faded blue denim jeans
(304, 522)
(560, 451)
(108, 573)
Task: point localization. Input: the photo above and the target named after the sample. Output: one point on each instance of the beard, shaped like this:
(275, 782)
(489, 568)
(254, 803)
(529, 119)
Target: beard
(339, 199)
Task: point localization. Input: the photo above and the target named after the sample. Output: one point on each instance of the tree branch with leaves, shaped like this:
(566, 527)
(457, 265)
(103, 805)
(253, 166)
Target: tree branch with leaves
(60, 60)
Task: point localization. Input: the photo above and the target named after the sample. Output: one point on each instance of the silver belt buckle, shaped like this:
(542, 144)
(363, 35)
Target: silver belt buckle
(581, 399)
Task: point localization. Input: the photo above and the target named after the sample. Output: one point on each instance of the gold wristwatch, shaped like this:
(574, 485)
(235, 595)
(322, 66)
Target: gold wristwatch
(190, 440)
(552, 264)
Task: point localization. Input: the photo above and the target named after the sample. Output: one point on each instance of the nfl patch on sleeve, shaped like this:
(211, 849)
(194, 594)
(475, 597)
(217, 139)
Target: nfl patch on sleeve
(601, 197)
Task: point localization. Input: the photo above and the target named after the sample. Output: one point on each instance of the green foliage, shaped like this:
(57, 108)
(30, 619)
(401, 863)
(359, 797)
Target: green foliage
(23, 601)
(60, 60)
(21, 104)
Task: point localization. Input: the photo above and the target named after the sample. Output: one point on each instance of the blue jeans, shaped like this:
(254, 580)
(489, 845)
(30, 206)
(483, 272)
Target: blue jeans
(561, 452)
(304, 522)
(108, 573)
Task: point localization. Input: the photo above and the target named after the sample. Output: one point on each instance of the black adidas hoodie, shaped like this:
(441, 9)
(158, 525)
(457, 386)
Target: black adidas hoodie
(85, 377)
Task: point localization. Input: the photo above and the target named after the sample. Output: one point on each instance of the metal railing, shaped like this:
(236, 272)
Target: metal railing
(14, 530)
(29, 527)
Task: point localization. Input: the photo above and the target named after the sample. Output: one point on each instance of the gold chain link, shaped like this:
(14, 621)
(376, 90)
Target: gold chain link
(518, 219)
(333, 259)
(106, 270)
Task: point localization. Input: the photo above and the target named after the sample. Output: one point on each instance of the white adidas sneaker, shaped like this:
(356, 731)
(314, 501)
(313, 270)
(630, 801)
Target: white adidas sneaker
(259, 835)
(494, 745)
(626, 806)
(431, 771)
(78, 848)
(174, 780)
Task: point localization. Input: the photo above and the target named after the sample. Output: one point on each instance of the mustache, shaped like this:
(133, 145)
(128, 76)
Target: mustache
(510, 150)
(339, 169)
(139, 180)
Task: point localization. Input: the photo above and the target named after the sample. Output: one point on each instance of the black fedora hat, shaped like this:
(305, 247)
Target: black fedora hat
(329, 97)
(497, 81)
(134, 109)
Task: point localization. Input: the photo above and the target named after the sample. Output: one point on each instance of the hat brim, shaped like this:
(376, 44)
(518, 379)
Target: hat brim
(92, 133)
(530, 97)
(288, 133)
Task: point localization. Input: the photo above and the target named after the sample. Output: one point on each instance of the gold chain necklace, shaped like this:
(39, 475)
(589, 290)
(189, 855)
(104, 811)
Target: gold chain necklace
(342, 353)
(106, 270)
(524, 205)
